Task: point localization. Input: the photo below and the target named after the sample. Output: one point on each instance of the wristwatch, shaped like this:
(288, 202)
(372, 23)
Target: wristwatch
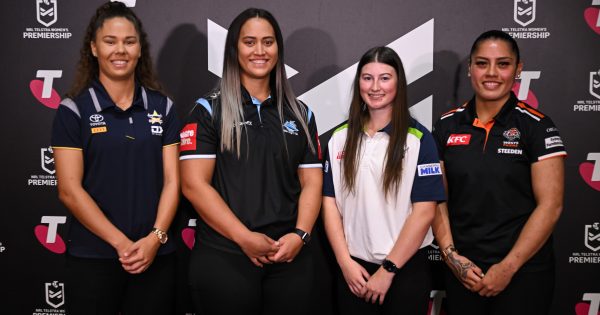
(389, 266)
(162, 235)
(303, 235)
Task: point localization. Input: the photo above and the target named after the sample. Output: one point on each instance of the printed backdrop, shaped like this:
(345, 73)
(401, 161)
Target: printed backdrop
(560, 45)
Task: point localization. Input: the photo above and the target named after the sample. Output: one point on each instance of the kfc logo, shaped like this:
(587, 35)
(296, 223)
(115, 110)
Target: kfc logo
(458, 139)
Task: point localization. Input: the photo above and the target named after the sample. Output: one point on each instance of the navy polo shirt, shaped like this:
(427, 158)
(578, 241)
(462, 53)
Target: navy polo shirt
(488, 170)
(262, 186)
(123, 166)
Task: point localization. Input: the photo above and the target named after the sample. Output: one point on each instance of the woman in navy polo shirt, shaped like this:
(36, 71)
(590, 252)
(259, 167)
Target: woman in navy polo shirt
(504, 168)
(115, 143)
(381, 185)
(251, 168)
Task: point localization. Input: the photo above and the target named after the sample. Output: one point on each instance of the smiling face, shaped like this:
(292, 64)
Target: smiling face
(257, 50)
(117, 48)
(493, 68)
(378, 85)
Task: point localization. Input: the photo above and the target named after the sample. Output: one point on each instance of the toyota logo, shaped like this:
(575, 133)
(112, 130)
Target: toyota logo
(96, 118)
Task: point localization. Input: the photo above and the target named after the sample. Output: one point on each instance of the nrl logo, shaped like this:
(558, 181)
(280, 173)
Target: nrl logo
(592, 236)
(524, 12)
(595, 84)
(55, 294)
(46, 12)
(47, 156)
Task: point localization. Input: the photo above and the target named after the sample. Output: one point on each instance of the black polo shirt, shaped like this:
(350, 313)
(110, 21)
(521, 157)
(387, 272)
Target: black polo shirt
(123, 166)
(488, 168)
(262, 186)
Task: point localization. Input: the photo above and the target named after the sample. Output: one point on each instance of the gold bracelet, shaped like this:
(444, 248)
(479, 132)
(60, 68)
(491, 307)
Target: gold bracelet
(447, 251)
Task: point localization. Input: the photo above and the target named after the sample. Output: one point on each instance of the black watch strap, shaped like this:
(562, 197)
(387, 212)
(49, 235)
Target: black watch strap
(303, 235)
(389, 266)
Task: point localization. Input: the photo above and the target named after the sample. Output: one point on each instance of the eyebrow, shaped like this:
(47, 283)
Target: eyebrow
(499, 58)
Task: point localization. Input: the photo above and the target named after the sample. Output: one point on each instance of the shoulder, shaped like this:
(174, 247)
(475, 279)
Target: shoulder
(208, 103)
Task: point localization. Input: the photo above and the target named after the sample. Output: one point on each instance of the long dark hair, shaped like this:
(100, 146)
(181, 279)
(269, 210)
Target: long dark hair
(232, 112)
(359, 116)
(87, 67)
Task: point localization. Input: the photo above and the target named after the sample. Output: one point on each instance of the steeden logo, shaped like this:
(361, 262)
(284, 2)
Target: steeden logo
(48, 236)
(590, 171)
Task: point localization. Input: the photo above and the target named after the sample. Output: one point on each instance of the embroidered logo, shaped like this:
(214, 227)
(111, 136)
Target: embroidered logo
(290, 127)
(429, 169)
(155, 118)
(512, 134)
(458, 139)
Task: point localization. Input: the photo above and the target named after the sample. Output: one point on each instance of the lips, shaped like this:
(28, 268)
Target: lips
(119, 63)
(491, 85)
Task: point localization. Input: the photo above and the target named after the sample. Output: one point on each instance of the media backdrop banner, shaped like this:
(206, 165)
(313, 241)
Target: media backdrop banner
(560, 48)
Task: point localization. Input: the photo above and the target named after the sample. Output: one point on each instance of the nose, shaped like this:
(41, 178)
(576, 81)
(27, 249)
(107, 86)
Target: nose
(259, 49)
(375, 85)
(120, 47)
(492, 70)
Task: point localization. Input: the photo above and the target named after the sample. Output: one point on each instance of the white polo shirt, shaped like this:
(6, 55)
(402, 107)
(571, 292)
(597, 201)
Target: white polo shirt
(371, 223)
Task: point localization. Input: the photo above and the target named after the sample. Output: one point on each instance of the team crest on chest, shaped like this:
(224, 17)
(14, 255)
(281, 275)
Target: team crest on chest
(290, 127)
(512, 136)
(155, 118)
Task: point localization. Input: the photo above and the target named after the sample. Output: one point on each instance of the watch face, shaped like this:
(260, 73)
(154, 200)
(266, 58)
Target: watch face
(389, 266)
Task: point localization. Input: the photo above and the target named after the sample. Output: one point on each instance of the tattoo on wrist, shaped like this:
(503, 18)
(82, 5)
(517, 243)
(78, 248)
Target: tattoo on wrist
(460, 268)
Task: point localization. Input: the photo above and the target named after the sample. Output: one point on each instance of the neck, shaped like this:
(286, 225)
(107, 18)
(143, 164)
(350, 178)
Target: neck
(378, 119)
(121, 92)
(487, 110)
(258, 88)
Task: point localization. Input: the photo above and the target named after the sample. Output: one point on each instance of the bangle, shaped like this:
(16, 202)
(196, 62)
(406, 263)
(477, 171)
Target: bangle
(448, 251)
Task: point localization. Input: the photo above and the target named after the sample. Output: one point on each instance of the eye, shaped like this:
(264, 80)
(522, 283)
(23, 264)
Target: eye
(109, 41)
(480, 63)
(366, 78)
(249, 42)
(268, 42)
(386, 78)
(503, 64)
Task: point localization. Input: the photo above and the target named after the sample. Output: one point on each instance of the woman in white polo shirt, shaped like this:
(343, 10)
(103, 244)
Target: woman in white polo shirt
(381, 186)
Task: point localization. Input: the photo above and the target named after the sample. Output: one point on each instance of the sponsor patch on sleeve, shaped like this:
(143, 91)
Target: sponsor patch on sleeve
(429, 169)
(552, 142)
(188, 137)
(458, 139)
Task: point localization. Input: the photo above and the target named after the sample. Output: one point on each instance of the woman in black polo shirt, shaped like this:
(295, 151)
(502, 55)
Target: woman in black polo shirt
(504, 168)
(115, 146)
(251, 168)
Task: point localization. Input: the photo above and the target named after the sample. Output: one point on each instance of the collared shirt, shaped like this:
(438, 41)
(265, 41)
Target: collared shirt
(261, 187)
(371, 222)
(123, 166)
(488, 169)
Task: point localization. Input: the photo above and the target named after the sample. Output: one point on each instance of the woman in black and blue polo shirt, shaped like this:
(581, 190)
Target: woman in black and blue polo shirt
(115, 146)
(250, 162)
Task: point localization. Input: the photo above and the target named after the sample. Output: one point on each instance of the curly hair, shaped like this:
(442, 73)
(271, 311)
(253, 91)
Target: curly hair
(87, 67)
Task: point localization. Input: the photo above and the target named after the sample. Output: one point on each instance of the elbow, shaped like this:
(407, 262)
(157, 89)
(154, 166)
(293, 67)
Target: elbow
(65, 195)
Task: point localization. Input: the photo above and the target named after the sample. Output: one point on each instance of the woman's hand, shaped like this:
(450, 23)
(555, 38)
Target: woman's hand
(356, 277)
(289, 246)
(465, 270)
(140, 255)
(258, 247)
(495, 281)
(378, 285)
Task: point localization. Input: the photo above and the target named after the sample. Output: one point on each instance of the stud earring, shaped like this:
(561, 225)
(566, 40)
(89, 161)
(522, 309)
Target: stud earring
(518, 77)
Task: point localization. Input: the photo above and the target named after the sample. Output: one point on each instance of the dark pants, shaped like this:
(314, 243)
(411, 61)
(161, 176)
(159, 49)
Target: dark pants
(102, 286)
(408, 293)
(229, 283)
(528, 293)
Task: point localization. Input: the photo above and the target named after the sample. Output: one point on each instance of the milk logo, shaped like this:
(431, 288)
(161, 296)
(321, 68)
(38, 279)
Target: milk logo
(46, 12)
(55, 294)
(595, 84)
(331, 98)
(524, 12)
(592, 236)
(48, 160)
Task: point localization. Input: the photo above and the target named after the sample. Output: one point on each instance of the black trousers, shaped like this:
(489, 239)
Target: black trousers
(408, 294)
(528, 293)
(102, 286)
(229, 283)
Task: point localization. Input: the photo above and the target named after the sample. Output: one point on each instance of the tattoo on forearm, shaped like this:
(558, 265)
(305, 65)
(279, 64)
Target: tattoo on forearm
(459, 268)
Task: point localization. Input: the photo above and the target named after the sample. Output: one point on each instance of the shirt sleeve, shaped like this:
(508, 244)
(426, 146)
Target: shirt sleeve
(428, 184)
(66, 129)
(172, 125)
(312, 159)
(328, 188)
(199, 137)
(545, 141)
